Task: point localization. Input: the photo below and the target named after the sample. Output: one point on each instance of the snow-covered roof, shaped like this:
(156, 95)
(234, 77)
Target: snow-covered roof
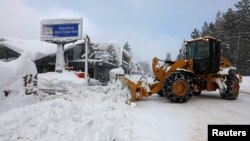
(36, 48)
(105, 46)
(99, 46)
(201, 38)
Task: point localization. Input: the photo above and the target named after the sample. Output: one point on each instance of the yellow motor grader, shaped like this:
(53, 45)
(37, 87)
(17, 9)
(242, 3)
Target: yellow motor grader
(202, 69)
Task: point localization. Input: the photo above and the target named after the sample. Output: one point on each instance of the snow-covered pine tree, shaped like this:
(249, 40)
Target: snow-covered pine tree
(218, 25)
(195, 33)
(243, 36)
(230, 35)
(182, 51)
(204, 30)
(211, 29)
(127, 47)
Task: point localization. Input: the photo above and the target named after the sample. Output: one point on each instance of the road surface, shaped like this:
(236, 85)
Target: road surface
(189, 121)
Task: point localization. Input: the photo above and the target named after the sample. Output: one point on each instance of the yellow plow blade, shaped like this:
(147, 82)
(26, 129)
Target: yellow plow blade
(138, 90)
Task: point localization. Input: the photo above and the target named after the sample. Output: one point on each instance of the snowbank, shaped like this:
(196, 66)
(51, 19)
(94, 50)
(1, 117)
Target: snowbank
(65, 76)
(245, 85)
(12, 73)
(62, 119)
(94, 113)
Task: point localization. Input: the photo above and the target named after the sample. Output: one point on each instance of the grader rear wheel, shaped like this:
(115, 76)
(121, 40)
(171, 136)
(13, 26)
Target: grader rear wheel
(232, 90)
(178, 87)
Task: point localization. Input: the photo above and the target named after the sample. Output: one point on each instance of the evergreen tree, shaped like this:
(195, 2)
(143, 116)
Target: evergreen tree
(212, 30)
(218, 26)
(195, 34)
(229, 40)
(182, 51)
(243, 36)
(127, 47)
(205, 30)
(218, 21)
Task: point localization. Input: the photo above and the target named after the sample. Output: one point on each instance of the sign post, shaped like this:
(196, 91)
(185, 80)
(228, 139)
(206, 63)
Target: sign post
(60, 63)
(61, 32)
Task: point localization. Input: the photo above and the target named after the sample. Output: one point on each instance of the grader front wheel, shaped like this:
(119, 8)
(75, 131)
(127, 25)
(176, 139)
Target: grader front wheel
(178, 87)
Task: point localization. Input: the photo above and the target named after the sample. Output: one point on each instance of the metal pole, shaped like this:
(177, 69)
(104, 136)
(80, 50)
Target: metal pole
(86, 58)
(59, 58)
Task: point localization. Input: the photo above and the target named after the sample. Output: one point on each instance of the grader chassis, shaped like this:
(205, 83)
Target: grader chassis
(202, 69)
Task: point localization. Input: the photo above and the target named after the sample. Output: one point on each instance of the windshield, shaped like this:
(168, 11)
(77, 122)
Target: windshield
(198, 50)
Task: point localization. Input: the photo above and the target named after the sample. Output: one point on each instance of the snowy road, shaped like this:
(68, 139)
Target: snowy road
(189, 121)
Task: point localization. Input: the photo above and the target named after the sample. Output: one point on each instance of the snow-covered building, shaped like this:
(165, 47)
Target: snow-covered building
(11, 48)
(136, 68)
(102, 56)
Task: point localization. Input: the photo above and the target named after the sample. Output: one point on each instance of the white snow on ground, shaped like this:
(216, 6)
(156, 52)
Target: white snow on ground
(76, 111)
(245, 86)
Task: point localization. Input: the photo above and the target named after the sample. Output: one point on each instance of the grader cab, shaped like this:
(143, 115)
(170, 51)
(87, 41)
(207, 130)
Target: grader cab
(202, 69)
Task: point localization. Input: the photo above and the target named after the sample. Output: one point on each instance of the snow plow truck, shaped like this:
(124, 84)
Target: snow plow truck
(202, 69)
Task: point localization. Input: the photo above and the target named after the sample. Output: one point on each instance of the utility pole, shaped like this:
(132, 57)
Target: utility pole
(86, 57)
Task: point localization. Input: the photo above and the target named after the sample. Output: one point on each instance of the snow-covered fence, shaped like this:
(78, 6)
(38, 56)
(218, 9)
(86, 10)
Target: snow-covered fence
(30, 84)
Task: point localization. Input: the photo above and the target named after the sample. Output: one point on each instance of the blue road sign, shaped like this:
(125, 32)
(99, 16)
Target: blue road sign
(61, 30)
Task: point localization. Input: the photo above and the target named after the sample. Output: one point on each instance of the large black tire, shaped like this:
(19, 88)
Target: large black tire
(160, 91)
(232, 90)
(178, 87)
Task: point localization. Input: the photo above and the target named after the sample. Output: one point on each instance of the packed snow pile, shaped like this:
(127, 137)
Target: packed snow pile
(90, 115)
(244, 87)
(12, 73)
(78, 113)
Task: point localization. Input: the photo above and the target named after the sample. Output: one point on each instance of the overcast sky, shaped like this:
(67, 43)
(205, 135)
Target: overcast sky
(152, 27)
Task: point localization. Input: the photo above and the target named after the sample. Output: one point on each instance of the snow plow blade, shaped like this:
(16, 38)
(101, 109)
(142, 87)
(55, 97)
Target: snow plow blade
(138, 90)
